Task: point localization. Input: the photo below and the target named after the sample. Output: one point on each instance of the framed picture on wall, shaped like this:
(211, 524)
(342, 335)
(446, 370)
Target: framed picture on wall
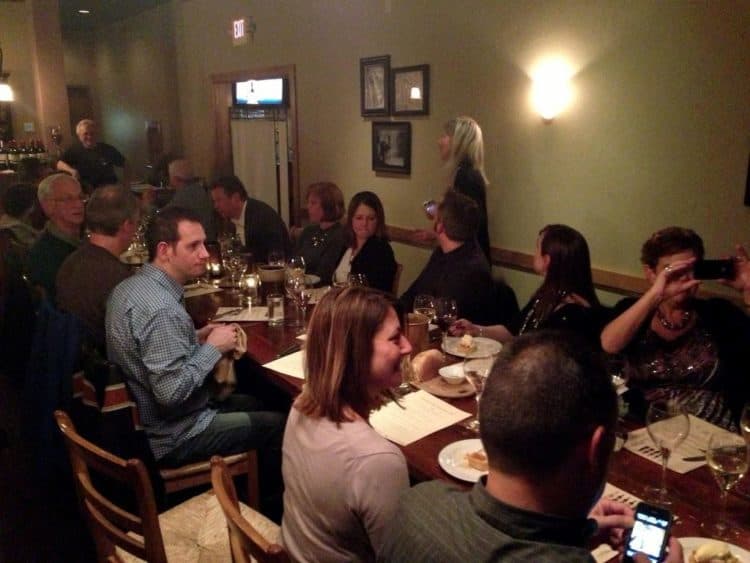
(374, 82)
(410, 90)
(391, 147)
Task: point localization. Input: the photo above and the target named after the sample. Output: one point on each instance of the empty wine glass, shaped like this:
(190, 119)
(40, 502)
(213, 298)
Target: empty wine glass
(476, 371)
(296, 264)
(726, 455)
(296, 289)
(668, 425)
(446, 313)
(425, 305)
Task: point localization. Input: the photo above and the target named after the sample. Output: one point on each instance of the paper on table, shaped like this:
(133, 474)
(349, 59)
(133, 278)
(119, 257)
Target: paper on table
(196, 290)
(604, 553)
(616, 493)
(640, 443)
(247, 314)
(291, 364)
(419, 415)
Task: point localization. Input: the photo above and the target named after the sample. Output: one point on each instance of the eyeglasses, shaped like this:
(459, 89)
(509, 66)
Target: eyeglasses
(75, 199)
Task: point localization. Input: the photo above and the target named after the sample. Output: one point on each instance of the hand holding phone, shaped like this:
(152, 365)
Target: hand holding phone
(650, 533)
(714, 269)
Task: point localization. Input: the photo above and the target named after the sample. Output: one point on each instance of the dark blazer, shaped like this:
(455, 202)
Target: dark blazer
(377, 263)
(469, 182)
(265, 231)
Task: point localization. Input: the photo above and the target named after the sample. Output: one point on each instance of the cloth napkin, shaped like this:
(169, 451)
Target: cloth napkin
(225, 379)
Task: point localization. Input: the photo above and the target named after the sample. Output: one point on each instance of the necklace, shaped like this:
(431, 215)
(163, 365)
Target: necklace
(687, 316)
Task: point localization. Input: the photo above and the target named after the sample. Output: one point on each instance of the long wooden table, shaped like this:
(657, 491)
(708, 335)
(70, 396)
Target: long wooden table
(695, 494)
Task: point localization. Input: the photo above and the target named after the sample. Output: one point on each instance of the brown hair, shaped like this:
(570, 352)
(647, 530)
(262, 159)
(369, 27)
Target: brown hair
(164, 227)
(339, 352)
(671, 240)
(459, 215)
(371, 200)
(331, 199)
(109, 207)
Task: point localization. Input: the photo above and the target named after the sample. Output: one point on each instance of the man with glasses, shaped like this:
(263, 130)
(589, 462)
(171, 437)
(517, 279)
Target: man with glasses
(63, 202)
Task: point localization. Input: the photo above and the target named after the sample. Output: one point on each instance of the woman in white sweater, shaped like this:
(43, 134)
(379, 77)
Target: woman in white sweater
(342, 479)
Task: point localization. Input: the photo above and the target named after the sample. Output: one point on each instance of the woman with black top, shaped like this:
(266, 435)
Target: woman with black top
(566, 300)
(322, 241)
(368, 251)
(462, 150)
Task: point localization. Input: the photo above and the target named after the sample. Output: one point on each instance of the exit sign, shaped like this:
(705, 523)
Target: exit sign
(240, 31)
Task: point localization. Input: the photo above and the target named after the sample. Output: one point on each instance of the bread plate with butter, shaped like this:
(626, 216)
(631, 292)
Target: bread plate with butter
(707, 550)
(472, 347)
(461, 459)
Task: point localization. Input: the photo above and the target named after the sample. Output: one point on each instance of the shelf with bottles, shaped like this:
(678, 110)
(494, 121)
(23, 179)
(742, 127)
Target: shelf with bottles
(14, 151)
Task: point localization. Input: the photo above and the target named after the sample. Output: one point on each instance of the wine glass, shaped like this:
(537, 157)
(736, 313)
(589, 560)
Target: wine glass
(296, 264)
(446, 313)
(296, 289)
(275, 258)
(745, 423)
(476, 371)
(425, 306)
(726, 455)
(235, 265)
(668, 425)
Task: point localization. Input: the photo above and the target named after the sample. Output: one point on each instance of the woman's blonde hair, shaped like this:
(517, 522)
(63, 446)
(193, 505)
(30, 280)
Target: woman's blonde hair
(339, 353)
(467, 146)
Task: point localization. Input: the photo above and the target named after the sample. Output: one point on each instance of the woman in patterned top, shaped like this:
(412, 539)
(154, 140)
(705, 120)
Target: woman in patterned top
(676, 345)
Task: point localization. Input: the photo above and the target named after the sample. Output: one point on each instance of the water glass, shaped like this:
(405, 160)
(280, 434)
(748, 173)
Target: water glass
(726, 455)
(425, 305)
(275, 309)
(476, 371)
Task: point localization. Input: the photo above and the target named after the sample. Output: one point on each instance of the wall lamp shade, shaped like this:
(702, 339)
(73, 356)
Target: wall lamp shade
(551, 92)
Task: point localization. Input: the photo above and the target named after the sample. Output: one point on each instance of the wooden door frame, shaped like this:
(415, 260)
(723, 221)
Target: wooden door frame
(221, 86)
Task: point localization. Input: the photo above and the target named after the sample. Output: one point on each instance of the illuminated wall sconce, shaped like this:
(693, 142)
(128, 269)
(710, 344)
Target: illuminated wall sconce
(551, 92)
(6, 92)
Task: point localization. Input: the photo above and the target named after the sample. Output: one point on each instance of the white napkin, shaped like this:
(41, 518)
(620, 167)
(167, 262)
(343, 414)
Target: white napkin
(640, 443)
(291, 364)
(247, 314)
(418, 415)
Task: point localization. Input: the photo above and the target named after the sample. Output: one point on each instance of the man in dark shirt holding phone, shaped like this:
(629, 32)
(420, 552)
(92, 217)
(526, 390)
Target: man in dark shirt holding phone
(548, 454)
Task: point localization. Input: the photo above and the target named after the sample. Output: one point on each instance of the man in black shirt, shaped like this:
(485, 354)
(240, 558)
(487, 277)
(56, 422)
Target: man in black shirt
(92, 162)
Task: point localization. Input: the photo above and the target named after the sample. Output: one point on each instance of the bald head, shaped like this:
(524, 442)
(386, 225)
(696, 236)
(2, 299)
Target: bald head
(180, 173)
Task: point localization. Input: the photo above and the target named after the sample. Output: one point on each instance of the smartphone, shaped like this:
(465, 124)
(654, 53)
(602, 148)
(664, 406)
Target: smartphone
(714, 269)
(649, 534)
(430, 208)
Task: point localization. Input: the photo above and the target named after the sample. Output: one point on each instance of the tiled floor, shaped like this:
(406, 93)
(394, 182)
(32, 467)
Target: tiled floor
(37, 524)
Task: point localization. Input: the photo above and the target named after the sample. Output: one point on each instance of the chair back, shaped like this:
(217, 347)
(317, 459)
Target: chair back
(112, 525)
(397, 278)
(507, 304)
(245, 540)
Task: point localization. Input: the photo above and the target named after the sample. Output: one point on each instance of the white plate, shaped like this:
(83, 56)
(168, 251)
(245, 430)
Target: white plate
(691, 544)
(484, 347)
(452, 458)
(312, 279)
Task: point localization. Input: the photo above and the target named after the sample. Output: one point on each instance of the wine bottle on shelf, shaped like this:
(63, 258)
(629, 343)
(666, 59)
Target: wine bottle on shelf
(3, 155)
(13, 155)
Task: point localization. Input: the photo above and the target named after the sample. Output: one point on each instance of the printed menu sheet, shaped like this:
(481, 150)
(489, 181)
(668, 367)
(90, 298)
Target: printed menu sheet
(196, 289)
(605, 552)
(244, 315)
(419, 414)
(688, 456)
(291, 365)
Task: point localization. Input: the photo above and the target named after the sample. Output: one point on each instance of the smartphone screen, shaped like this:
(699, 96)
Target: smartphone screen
(713, 269)
(649, 533)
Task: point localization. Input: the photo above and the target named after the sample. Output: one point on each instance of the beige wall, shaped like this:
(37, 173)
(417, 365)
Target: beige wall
(16, 41)
(658, 132)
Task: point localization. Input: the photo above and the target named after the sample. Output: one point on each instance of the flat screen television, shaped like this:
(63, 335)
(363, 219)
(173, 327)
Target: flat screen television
(269, 92)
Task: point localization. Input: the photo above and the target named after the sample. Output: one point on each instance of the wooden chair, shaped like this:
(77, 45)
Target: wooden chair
(251, 536)
(397, 278)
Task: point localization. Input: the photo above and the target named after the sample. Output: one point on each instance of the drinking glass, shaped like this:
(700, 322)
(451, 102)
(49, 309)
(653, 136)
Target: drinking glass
(668, 425)
(446, 313)
(745, 423)
(476, 371)
(425, 305)
(726, 455)
(297, 264)
(296, 289)
(235, 265)
(275, 258)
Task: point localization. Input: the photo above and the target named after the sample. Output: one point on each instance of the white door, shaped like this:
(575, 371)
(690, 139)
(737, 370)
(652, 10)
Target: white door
(259, 150)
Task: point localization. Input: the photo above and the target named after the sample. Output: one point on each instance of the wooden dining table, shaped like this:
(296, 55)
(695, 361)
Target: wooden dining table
(695, 494)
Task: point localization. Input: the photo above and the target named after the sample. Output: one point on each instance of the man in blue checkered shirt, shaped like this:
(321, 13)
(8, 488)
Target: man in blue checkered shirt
(166, 361)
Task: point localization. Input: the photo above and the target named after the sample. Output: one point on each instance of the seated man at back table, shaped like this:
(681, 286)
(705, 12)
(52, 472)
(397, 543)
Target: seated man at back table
(548, 454)
(189, 193)
(457, 268)
(62, 201)
(260, 228)
(89, 274)
(166, 361)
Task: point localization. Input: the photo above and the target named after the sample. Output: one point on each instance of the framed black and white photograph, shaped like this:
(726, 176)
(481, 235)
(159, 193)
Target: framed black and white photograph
(374, 83)
(410, 90)
(391, 147)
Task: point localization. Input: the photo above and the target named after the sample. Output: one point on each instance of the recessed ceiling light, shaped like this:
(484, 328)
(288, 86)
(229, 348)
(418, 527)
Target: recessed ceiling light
(84, 11)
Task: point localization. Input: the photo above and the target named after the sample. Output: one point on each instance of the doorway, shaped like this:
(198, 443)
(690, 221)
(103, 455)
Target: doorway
(266, 137)
(81, 106)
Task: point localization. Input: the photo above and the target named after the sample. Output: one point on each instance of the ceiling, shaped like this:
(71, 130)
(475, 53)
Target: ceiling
(103, 12)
